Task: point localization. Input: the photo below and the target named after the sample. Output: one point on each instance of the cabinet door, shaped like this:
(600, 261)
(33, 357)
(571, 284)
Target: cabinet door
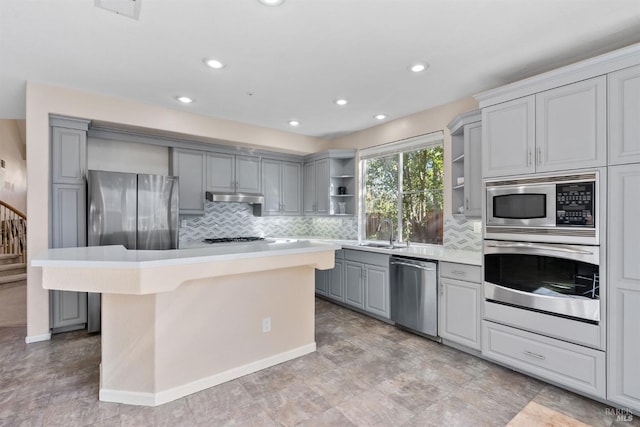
(571, 125)
(336, 281)
(68, 310)
(354, 284)
(473, 170)
(309, 193)
(271, 175)
(247, 172)
(68, 155)
(322, 186)
(377, 290)
(189, 166)
(624, 116)
(321, 282)
(508, 138)
(624, 286)
(460, 312)
(290, 189)
(221, 175)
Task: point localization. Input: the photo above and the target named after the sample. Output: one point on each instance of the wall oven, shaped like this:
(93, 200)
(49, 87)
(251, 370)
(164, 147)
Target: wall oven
(556, 279)
(560, 209)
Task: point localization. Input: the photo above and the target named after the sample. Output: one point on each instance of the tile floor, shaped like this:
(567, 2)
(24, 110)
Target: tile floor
(364, 373)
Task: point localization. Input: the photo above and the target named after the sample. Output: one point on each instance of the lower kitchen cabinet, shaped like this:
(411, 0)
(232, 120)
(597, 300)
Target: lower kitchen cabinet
(459, 304)
(359, 279)
(68, 310)
(623, 352)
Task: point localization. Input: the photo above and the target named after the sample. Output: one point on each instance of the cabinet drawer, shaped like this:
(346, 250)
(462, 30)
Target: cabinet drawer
(367, 257)
(576, 367)
(470, 273)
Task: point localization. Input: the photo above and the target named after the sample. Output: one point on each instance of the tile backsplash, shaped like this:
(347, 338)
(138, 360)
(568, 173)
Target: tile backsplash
(237, 219)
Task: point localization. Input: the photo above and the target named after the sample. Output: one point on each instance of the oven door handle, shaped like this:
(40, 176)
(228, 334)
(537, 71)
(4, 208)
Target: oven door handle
(537, 246)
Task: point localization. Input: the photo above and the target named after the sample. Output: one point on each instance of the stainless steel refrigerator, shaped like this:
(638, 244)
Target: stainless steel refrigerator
(134, 210)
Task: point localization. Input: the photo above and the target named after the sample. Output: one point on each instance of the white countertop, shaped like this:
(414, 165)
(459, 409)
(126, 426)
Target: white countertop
(196, 252)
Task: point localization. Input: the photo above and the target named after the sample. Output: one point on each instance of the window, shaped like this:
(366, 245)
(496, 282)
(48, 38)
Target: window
(403, 183)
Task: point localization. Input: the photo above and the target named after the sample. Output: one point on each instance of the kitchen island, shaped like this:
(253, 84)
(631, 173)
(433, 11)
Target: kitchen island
(179, 321)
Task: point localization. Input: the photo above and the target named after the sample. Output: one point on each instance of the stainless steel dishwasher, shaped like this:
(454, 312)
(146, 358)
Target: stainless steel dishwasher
(414, 295)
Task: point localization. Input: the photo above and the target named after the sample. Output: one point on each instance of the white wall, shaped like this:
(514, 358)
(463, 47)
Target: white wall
(119, 156)
(13, 177)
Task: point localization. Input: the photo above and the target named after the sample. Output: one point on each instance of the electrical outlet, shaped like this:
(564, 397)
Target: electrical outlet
(183, 223)
(477, 227)
(266, 324)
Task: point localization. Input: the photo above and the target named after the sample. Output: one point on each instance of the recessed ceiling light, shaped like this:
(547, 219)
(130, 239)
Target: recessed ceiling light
(294, 123)
(184, 99)
(341, 101)
(380, 116)
(418, 67)
(213, 63)
(271, 2)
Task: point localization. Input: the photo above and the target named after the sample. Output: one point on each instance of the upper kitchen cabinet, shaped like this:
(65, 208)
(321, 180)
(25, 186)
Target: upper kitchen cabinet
(553, 130)
(316, 187)
(330, 183)
(233, 173)
(624, 116)
(508, 134)
(571, 126)
(281, 186)
(190, 168)
(68, 150)
(466, 175)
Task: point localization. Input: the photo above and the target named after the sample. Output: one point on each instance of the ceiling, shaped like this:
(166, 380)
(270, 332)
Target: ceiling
(293, 61)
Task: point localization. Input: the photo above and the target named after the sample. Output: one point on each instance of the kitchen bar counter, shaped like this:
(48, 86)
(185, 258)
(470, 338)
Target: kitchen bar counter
(179, 321)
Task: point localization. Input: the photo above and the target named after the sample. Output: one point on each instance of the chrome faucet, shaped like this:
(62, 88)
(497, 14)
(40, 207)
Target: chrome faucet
(387, 221)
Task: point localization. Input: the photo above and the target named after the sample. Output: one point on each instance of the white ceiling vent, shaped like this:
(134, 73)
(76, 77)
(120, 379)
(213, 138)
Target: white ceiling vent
(130, 8)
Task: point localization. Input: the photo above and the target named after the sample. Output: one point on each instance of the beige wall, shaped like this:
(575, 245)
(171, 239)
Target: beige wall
(13, 177)
(421, 123)
(43, 100)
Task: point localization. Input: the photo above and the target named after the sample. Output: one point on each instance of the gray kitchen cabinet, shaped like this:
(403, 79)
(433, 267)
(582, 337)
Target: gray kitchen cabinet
(571, 126)
(554, 130)
(316, 187)
(68, 310)
(354, 283)
(321, 282)
(623, 352)
(190, 168)
(281, 185)
(336, 288)
(460, 304)
(376, 290)
(508, 136)
(466, 164)
(624, 116)
(233, 173)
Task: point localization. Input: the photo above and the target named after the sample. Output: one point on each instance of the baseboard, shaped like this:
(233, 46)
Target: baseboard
(162, 397)
(37, 338)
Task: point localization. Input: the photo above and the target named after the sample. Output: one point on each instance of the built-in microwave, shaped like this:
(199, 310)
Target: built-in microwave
(556, 209)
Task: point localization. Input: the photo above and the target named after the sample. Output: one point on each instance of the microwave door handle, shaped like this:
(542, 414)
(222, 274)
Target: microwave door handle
(538, 246)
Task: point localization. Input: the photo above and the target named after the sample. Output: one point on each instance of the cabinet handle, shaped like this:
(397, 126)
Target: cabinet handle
(458, 272)
(539, 156)
(535, 355)
(467, 204)
(529, 159)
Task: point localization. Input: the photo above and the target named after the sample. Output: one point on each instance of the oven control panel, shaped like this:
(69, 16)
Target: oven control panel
(575, 204)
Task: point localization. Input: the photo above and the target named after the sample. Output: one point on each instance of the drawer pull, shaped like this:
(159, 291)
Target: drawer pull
(458, 272)
(537, 356)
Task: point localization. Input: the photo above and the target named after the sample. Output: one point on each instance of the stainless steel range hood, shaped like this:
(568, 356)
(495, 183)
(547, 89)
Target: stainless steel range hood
(254, 199)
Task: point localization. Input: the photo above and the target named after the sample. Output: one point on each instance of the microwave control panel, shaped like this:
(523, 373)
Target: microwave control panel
(575, 204)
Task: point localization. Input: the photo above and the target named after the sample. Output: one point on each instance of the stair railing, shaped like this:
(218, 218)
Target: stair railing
(13, 231)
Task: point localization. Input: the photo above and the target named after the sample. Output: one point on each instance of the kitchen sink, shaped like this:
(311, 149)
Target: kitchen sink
(381, 245)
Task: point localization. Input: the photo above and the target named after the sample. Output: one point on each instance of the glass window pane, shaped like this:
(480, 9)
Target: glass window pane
(381, 195)
(423, 169)
(422, 217)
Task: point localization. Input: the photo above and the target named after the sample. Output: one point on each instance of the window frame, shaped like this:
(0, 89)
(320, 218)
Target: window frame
(397, 148)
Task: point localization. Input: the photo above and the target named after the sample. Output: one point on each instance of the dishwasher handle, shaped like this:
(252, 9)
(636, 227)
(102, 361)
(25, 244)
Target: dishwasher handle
(421, 267)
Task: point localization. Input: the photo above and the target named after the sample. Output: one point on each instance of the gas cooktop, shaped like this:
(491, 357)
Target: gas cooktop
(233, 239)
